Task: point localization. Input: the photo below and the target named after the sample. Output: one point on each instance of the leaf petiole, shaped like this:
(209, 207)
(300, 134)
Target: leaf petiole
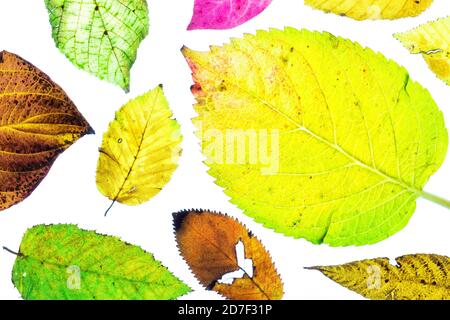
(110, 207)
(12, 252)
(436, 199)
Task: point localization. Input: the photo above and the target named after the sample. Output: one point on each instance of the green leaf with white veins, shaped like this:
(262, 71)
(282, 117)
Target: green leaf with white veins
(100, 36)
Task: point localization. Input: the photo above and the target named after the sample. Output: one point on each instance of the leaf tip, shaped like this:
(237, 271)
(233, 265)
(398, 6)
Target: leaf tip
(191, 26)
(325, 270)
(399, 36)
(184, 49)
(126, 88)
(179, 218)
(4, 53)
(90, 130)
(312, 268)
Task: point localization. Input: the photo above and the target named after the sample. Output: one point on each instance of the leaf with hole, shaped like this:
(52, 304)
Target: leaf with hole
(64, 262)
(373, 9)
(315, 136)
(208, 241)
(432, 41)
(140, 150)
(100, 36)
(38, 123)
(225, 14)
(414, 277)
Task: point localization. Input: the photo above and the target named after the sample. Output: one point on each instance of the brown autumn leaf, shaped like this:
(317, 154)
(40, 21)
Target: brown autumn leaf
(38, 122)
(208, 241)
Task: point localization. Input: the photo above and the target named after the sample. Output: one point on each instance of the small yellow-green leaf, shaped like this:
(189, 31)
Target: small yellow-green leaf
(372, 9)
(432, 41)
(63, 262)
(315, 136)
(140, 150)
(414, 277)
(100, 36)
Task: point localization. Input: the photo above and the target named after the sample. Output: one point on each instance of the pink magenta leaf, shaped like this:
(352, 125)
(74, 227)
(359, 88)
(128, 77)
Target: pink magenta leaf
(225, 14)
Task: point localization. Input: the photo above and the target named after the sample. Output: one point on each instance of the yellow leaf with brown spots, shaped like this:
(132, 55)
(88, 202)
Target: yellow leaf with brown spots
(140, 150)
(38, 121)
(209, 243)
(414, 277)
(315, 136)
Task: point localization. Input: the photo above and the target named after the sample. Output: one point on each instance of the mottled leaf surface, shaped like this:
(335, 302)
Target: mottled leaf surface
(414, 277)
(100, 36)
(372, 9)
(140, 150)
(208, 240)
(38, 121)
(432, 41)
(315, 136)
(225, 14)
(63, 262)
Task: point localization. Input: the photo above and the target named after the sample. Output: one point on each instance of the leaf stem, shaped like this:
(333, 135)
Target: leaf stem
(109, 208)
(436, 199)
(13, 252)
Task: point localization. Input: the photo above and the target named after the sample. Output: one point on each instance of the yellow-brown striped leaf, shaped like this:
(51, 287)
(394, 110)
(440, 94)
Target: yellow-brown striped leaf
(38, 121)
(414, 277)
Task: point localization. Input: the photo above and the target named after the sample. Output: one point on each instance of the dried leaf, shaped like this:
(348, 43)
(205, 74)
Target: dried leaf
(38, 122)
(372, 9)
(315, 136)
(208, 240)
(225, 14)
(415, 277)
(63, 262)
(432, 41)
(100, 36)
(140, 150)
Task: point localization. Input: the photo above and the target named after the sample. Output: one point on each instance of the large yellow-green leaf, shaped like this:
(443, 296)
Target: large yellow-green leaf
(140, 150)
(414, 277)
(63, 262)
(432, 41)
(100, 36)
(372, 9)
(315, 136)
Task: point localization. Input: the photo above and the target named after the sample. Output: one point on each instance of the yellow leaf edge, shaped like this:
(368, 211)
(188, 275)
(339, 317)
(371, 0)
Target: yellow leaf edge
(372, 11)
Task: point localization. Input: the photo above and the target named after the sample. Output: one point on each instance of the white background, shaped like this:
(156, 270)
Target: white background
(69, 193)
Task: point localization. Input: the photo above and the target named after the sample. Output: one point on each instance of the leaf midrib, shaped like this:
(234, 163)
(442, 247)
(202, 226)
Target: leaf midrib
(334, 146)
(234, 261)
(136, 156)
(61, 266)
(113, 49)
(16, 127)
